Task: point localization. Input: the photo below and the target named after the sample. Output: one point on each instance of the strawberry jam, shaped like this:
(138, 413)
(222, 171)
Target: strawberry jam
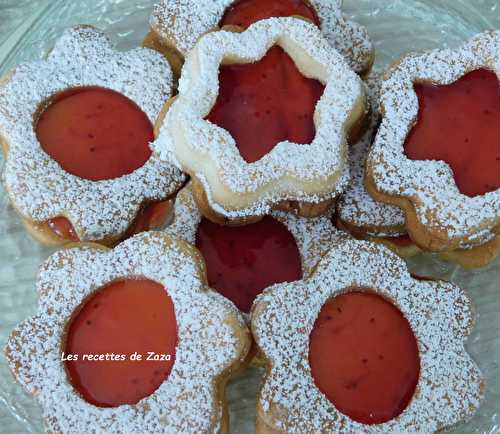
(151, 217)
(275, 100)
(401, 241)
(123, 319)
(460, 124)
(364, 357)
(243, 13)
(243, 261)
(63, 228)
(95, 133)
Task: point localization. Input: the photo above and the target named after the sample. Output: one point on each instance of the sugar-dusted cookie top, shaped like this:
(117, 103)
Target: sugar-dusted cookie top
(39, 188)
(356, 207)
(238, 259)
(211, 338)
(308, 173)
(434, 153)
(287, 319)
(182, 22)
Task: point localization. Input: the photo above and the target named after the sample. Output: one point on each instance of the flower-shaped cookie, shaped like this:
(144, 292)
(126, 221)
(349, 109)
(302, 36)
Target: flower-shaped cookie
(435, 154)
(87, 94)
(357, 211)
(178, 24)
(212, 340)
(446, 387)
(228, 187)
(238, 259)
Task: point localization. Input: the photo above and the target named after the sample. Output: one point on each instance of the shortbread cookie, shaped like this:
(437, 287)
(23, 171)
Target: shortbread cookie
(359, 325)
(242, 261)
(75, 129)
(436, 152)
(101, 309)
(59, 231)
(176, 25)
(357, 211)
(243, 170)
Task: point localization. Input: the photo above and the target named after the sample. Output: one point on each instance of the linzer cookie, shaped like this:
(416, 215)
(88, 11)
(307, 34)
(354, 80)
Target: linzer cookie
(176, 25)
(357, 211)
(75, 129)
(129, 340)
(359, 325)
(242, 261)
(290, 152)
(436, 152)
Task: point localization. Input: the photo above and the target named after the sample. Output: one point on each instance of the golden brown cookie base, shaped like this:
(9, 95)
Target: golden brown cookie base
(174, 57)
(201, 200)
(426, 238)
(369, 66)
(478, 257)
(407, 251)
(46, 236)
(301, 209)
(362, 233)
(359, 127)
(161, 116)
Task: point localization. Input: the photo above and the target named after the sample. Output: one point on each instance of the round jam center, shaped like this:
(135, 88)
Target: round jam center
(460, 124)
(95, 133)
(274, 100)
(125, 319)
(243, 261)
(364, 357)
(243, 13)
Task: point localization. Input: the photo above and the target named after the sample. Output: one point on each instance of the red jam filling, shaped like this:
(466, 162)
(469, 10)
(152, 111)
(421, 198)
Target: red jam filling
(364, 357)
(63, 228)
(422, 278)
(243, 13)
(126, 318)
(151, 217)
(95, 133)
(460, 124)
(275, 100)
(401, 241)
(243, 261)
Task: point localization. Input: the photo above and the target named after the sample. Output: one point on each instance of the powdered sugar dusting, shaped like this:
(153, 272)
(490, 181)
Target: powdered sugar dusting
(314, 236)
(187, 401)
(183, 22)
(430, 185)
(37, 186)
(356, 207)
(312, 173)
(450, 387)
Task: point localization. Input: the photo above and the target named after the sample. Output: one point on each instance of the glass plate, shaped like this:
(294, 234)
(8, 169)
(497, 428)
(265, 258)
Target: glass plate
(29, 28)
